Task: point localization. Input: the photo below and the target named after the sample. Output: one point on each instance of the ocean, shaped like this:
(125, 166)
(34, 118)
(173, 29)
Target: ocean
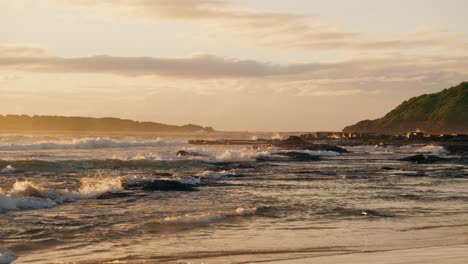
(71, 198)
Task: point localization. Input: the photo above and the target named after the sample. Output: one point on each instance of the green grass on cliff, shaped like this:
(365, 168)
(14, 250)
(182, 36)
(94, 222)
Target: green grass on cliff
(443, 112)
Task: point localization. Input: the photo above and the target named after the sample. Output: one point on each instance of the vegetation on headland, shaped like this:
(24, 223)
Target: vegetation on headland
(107, 124)
(445, 112)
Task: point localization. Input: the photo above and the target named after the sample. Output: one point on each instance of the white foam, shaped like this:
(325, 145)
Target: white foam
(27, 189)
(245, 154)
(249, 154)
(6, 256)
(8, 169)
(89, 143)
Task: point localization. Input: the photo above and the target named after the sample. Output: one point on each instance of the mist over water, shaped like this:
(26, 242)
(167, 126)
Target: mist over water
(66, 197)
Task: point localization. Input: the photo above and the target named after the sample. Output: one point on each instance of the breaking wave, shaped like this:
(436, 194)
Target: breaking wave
(26, 195)
(89, 143)
(435, 150)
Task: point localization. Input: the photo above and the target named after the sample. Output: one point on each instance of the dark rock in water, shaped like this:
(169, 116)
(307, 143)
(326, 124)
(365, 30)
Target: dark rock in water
(288, 156)
(111, 195)
(167, 185)
(325, 147)
(298, 143)
(420, 158)
(292, 141)
(222, 165)
(457, 149)
(387, 168)
(183, 153)
(261, 147)
(133, 184)
(163, 174)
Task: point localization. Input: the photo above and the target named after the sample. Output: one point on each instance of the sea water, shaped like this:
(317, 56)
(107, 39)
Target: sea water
(244, 211)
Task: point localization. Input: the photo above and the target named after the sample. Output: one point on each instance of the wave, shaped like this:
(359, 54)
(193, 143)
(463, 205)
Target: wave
(371, 149)
(89, 143)
(6, 256)
(156, 160)
(209, 217)
(374, 149)
(26, 195)
(435, 150)
(277, 136)
(8, 169)
(215, 175)
(247, 154)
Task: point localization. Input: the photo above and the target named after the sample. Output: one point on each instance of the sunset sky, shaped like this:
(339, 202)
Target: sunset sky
(258, 65)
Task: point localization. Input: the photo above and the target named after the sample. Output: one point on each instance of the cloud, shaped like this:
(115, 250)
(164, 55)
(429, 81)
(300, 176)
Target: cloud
(200, 66)
(271, 29)
(22, 51)
(205, 66)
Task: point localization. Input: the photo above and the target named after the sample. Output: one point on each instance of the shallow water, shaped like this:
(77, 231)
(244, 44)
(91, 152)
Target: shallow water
(245, 210)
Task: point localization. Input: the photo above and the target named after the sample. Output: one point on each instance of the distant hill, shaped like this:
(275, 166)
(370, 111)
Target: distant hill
(445, 112)
(108, 124)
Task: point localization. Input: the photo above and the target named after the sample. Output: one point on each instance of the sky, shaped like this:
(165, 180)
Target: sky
(238, 65)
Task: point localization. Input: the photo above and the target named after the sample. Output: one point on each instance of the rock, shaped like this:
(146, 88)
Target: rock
(261, 147)
(325, 147)
(292, 141)
(387, 168)
(298, 143)
(288, 156)
(167, 185)
(163, 174)
(111, 195)
(183, 153)
(457, 149)
(420, 158)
